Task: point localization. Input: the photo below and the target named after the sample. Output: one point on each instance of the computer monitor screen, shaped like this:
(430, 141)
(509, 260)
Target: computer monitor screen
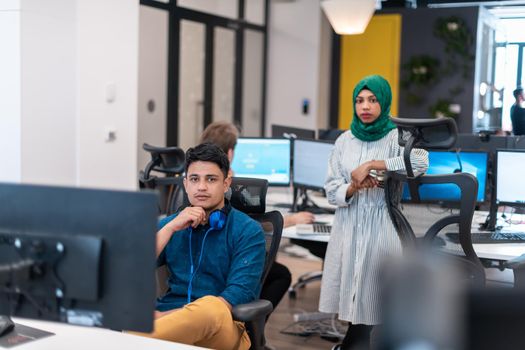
(263, 158)
(290, 132)
(78, 256)
(510, 187)
(474, 163)
(310, 165)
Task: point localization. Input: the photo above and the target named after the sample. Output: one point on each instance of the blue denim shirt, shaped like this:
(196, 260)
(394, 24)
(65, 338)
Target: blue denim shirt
(231, 265)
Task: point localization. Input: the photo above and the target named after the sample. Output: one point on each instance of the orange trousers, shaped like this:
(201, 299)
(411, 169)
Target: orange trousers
(206, 322)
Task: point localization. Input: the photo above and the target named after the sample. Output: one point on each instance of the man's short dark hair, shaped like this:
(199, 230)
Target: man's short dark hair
(517, 92)
(208, 152)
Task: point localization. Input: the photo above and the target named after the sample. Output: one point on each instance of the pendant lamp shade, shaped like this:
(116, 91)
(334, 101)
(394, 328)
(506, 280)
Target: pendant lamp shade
(349, 16)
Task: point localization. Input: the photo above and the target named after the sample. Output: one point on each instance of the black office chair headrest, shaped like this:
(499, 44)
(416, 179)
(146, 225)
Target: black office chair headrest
(165, 159)
(437, 133)
(249, 195)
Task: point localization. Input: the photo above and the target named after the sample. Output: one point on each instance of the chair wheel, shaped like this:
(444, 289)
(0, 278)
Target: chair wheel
(292, 294)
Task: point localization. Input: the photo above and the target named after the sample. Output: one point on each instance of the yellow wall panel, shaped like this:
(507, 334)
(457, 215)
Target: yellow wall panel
(376, 51)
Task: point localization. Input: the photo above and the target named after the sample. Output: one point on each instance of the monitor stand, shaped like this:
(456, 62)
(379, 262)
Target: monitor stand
(306, 204)
(492, 217)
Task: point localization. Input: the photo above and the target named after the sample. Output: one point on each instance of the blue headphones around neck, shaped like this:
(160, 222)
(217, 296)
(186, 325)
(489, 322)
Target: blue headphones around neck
(217, 221)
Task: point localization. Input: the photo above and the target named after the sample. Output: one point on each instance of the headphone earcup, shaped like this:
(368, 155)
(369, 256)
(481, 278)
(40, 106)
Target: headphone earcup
(217, 219)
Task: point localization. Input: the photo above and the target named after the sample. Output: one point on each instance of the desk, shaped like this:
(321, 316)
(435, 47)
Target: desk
(291, 232)
(496, 251)
(499, 252)
(86, 338)
(279, 197)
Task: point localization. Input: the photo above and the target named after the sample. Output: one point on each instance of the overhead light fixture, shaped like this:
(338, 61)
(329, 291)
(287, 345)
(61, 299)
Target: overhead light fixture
(349, 16)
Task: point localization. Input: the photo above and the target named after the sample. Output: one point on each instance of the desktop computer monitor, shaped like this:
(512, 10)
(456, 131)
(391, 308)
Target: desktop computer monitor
(329, 134)
(79, 256)
(480, 142)
(474, 163)
(310, 165)
(510, 187)
(515, 142)
(290, 132)
(263, 158)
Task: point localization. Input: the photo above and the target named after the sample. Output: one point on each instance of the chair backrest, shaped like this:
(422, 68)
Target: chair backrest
(169, 162)
(432, 134)
(249, 196)
(272, 223)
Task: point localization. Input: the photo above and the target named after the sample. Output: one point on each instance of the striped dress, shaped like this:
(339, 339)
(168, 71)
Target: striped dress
(362, 232)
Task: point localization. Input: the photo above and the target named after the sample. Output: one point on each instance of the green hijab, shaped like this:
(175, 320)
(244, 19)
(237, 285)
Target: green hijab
(382, 125)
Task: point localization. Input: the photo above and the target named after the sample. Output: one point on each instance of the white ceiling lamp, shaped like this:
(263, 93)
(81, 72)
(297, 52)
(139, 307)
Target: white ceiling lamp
(349, 16)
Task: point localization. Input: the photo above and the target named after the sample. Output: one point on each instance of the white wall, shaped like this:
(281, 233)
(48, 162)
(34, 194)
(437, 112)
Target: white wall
(10, 128)
(107, 59)
(48, 117)
(153, 80)
(58, 59)
(293, 63)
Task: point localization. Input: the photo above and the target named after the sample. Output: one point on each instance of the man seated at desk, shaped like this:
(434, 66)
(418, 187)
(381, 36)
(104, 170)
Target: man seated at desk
(215, 256)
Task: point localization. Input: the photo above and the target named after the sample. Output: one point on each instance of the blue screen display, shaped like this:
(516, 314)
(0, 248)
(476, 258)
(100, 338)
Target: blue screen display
(263, 158)
(474, 163)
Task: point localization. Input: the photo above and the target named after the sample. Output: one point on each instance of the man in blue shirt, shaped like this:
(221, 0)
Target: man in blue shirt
(517, 113)
(215, 256)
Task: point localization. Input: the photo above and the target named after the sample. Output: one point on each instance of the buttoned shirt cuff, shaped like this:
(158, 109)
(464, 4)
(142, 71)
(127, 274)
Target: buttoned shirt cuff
(340, 196)
(395, 164)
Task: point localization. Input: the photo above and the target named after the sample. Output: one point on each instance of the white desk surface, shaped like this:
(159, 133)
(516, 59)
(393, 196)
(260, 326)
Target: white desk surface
(87, 338)
(502, 251)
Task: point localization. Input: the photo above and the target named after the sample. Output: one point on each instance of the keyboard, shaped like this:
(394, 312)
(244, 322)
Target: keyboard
(313, 229)
(491, 237)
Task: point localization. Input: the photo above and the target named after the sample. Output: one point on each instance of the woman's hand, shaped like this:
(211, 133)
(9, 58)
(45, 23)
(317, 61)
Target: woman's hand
(360, 174)
(368, 182)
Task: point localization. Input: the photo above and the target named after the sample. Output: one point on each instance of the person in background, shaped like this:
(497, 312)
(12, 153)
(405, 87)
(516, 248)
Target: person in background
(362, 233)
(215, 255)
(225, 135)
(517, 112)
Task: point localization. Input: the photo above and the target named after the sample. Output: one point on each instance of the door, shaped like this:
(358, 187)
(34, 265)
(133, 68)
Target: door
(216, 66)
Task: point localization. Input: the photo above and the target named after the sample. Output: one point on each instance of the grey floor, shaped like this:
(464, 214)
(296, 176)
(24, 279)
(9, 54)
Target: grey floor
(299, 262)
(306, 301)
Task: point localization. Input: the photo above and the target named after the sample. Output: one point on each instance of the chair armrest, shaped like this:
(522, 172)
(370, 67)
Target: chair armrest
(251, 311)
(516, 263)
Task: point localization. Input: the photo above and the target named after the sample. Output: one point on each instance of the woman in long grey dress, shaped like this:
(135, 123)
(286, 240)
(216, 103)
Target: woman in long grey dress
(362, 233)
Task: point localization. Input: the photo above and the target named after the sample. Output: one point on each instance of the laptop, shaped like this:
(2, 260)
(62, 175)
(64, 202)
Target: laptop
(314, 229)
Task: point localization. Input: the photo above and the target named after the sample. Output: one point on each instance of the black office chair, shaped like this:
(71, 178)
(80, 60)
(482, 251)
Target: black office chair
(164, 173)
(249, 196)
(437, 133)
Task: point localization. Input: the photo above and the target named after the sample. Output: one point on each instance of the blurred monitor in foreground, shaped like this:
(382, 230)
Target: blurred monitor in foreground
(78, 256)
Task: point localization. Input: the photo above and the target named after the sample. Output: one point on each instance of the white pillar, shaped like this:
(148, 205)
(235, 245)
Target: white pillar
(10, 118)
